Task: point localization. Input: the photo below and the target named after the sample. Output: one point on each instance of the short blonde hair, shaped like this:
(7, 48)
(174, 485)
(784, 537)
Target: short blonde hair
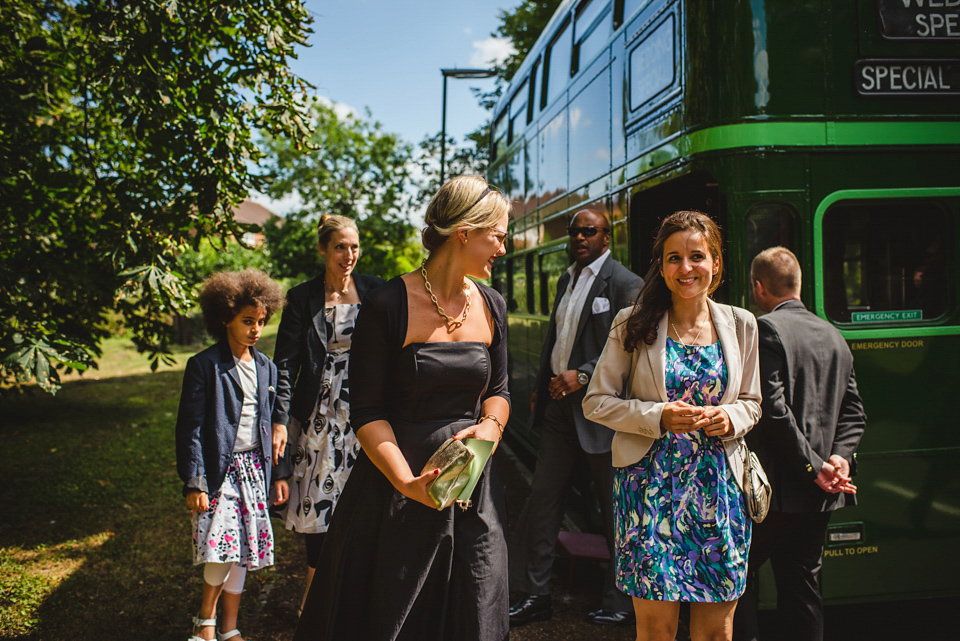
(330, 223)
(464, 202)
(778, 269)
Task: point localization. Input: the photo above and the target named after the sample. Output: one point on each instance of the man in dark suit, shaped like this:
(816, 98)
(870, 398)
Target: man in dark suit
(812, 421)
(589, 295)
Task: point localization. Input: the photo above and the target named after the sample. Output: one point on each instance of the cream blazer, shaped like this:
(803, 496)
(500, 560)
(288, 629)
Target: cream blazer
(627, 391)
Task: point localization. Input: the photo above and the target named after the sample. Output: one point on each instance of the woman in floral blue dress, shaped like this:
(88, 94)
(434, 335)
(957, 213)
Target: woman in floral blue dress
(690, 370)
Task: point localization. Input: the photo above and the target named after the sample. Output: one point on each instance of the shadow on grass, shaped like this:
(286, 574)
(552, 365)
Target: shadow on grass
(95, 536)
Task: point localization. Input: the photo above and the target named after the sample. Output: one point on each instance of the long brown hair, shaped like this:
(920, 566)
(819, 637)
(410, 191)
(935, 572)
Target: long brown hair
(655, 298)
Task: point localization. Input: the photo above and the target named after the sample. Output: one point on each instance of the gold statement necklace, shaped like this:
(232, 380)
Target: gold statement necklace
(433, 297)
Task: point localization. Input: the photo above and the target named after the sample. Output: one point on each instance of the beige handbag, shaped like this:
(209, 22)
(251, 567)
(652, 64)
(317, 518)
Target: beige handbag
(756, 486)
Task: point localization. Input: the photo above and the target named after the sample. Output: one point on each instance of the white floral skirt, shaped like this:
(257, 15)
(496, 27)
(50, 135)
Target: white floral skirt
(237, 527)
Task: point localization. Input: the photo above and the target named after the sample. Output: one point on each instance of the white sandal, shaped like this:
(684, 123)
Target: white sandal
(227, 635)
(202, 623)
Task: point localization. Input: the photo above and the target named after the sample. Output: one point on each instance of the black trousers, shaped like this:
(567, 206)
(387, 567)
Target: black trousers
(793, 542)
(534, 537)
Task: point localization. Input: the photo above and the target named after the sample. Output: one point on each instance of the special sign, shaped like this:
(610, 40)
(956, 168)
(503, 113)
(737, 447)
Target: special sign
(919, 19)
(886, 77)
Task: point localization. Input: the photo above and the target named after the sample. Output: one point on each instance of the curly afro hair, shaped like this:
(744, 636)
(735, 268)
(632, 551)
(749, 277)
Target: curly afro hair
(225, 294)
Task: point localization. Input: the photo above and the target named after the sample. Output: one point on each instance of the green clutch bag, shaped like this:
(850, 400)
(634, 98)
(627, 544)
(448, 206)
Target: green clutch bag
(460, 464)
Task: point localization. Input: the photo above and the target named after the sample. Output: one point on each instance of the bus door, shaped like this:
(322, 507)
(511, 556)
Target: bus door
(887, 277)
(648, 206)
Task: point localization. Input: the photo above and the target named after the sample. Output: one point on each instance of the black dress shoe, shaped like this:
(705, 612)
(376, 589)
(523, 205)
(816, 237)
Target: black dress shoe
(610, 617)
(535, 607)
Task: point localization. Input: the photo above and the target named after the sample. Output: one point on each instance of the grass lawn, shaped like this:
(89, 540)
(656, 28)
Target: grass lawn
(94, 533)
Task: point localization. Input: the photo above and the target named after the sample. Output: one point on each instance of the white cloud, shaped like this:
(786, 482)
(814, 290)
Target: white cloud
(467, 30)
(341, 109)
(490, 51)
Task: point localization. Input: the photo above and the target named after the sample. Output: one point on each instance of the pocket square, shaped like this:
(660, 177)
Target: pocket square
(601, 305)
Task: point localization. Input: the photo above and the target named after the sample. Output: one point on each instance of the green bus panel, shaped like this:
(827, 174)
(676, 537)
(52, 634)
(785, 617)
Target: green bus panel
(765, 115)
(525, 336)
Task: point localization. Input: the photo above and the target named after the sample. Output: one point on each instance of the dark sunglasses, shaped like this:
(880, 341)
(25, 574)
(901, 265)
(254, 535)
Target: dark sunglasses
(588, 232)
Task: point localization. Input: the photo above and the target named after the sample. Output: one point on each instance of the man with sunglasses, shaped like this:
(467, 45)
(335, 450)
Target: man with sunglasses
(589, 295)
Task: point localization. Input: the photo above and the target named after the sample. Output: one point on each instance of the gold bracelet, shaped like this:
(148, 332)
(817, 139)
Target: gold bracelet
(495, 420)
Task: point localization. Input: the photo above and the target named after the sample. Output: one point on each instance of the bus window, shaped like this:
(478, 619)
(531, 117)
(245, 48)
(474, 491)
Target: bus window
(536, 283)
(653, 64)
(552, 265)
(630, 7)
(499, 279)
(887, 257)
(517, 285)
(518, 113)
(499, 136)
(590, 132)
(555, 228)
(553, 158)
(556, 67)
(534, 90)
(591, 31)
(514, 187)
(768, 225)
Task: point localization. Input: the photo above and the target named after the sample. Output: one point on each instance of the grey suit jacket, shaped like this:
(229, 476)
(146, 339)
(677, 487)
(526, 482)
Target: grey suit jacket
(620, 287)
(811, 407)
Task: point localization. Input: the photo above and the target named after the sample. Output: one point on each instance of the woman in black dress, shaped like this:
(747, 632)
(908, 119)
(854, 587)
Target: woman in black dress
(428, 363)
(313, 392)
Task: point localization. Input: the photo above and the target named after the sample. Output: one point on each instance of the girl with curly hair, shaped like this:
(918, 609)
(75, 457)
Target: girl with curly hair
(224, 442)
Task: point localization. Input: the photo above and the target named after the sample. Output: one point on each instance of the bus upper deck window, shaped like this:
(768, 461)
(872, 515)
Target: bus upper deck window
(592, 28)
(518, 112)
(556, 69)
(887, 256)
(653, 64)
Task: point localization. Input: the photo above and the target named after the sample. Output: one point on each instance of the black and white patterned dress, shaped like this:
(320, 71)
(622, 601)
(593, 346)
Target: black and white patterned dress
(326, 446)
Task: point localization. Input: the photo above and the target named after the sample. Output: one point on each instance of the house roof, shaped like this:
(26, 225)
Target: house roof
(250, 212)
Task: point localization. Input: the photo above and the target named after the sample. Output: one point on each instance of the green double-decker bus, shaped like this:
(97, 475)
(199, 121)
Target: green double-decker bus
(830, 127)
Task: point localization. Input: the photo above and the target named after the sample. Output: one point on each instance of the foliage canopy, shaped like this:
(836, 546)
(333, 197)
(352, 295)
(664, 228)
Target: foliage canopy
(352, 168)
(126, 135)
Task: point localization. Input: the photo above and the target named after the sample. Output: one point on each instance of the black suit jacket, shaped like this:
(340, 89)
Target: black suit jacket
(619, 286)
(811, 407)
(302, 347)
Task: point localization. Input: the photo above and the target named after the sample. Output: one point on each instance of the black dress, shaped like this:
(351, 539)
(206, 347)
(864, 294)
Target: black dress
(394, 568)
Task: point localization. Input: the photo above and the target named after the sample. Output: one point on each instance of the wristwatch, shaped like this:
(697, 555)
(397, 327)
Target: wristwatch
(582, 378)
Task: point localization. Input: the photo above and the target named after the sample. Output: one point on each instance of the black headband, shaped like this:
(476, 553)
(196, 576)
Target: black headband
(477, 201)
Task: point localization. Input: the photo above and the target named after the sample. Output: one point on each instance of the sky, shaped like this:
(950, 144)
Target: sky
(386, 55)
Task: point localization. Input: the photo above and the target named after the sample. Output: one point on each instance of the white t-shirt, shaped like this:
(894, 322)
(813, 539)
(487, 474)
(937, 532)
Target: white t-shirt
(248, 436)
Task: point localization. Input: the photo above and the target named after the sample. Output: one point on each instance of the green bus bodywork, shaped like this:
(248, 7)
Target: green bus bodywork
(829, 127)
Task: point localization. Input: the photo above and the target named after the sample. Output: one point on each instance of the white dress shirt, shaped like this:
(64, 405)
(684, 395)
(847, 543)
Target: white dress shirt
(569, 310)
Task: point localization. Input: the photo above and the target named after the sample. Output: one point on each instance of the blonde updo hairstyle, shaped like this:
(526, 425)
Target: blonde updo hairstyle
(461, 203)
(330, 223)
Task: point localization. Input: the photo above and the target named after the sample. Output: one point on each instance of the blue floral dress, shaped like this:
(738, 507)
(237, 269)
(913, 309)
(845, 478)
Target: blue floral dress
(682, 532)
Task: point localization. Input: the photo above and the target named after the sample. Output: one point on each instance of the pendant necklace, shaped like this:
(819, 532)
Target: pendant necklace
(433, 297)
(693, 342)
(335, 295)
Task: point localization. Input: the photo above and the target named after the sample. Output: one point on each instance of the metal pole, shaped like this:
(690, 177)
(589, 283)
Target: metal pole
(443, 131)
